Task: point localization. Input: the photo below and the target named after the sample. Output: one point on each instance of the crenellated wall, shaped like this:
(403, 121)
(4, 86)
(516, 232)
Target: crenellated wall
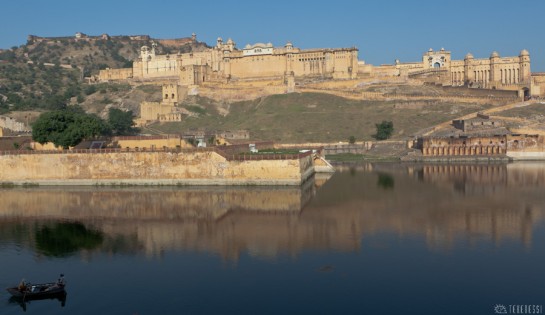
(194, 167)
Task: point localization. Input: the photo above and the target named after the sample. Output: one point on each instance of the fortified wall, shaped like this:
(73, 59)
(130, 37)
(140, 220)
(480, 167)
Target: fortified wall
(79, 36)
(180, 167)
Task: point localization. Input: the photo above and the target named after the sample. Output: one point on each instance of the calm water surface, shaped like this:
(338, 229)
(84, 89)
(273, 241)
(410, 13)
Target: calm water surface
(372, 239)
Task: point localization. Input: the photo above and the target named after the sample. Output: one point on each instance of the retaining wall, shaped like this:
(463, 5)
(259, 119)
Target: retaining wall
(526, 155)
(151, 168)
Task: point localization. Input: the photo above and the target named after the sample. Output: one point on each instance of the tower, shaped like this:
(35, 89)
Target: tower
(495, 74)
(468, 69)
(524, 64)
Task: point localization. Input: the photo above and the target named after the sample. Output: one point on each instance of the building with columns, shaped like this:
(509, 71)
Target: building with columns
(225, 62)
(492, 72)
(495, 72)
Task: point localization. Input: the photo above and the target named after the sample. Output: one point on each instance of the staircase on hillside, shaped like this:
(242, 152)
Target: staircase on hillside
(151, 130)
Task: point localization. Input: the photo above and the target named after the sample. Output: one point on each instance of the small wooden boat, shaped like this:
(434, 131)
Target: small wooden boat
(37, 291)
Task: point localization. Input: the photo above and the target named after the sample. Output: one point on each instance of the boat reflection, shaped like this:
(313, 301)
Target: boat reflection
(23, 302)
(443, 204)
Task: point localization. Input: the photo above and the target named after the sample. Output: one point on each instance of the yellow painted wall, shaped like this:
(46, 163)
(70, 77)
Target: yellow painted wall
(48, 146)
(152, 110)
(203, 167)
(258, 66)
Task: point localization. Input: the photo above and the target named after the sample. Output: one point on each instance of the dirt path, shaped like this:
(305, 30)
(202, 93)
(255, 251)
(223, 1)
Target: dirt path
(474, 114)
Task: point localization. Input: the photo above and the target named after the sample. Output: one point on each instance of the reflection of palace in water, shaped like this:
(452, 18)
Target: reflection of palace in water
(442, 203)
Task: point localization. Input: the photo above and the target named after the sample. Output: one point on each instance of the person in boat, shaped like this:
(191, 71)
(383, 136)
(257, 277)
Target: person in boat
(60, 282)
(22, 286)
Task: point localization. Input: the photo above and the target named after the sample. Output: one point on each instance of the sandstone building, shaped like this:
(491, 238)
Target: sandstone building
(495, 72)
(167, 109)
(518, 146)
(224, 62)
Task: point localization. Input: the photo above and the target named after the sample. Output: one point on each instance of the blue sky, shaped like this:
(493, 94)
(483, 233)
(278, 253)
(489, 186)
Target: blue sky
(383, 30)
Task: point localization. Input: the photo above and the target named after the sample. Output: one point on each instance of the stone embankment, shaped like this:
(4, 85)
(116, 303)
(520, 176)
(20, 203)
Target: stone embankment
(159, 167)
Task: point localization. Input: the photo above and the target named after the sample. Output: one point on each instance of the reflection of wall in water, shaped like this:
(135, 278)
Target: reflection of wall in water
(156, 204)
(528, 174)
(347, 209)
(425, 202)
(486, 178)
(468, 179)
(160, 218)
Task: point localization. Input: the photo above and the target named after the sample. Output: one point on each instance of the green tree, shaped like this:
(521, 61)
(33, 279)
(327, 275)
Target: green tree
(384, 130)
(121, 122)
(67, 128)
(352, 140)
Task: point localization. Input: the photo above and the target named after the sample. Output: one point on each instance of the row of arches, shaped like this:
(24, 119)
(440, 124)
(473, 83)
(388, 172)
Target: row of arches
(463, 150)
(510, 76)
(482, 76)
(507, 76)
(458, 78)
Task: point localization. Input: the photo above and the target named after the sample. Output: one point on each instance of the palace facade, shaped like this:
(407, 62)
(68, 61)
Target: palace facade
(224, 62)
(495, 72)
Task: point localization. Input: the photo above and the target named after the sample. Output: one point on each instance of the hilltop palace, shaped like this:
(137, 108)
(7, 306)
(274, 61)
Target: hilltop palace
(275, 70)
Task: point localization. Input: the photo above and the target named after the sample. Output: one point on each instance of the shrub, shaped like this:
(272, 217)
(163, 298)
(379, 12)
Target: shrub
(384, 130)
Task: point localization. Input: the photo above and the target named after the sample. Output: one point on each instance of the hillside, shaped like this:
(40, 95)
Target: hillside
(314, 117)
(46, 73)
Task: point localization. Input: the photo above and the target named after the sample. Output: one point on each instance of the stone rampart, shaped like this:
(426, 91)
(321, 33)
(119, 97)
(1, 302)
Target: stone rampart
(241, 92)
(181, 167)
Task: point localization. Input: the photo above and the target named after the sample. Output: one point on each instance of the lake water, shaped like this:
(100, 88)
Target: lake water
(372, 239)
